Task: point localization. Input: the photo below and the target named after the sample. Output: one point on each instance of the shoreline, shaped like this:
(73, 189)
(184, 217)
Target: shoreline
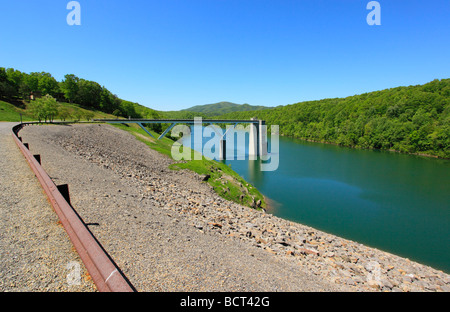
(270, 211)
(364, 148)
(338, 262)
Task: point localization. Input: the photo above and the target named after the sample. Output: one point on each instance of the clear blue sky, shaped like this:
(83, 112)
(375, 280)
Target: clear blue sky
(173, 54)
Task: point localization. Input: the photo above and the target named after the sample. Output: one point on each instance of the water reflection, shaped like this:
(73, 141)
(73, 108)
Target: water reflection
(254, 170)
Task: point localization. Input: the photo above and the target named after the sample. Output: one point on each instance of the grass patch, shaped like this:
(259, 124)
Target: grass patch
(9, 112)
(225, 182)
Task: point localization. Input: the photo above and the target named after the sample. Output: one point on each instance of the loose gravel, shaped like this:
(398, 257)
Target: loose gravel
(35, 252)
(168, 231)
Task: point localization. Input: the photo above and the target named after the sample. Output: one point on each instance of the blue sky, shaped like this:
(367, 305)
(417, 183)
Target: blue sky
(173, 54)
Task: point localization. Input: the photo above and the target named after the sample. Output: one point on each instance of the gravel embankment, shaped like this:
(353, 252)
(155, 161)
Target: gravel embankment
(168, 231)
(35, 252)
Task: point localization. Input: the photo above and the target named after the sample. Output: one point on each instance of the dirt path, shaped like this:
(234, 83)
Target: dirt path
(35, 251)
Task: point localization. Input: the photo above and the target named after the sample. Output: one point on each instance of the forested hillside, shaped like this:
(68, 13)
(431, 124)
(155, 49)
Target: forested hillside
(414, 119)
(222, 108)
(16, 88)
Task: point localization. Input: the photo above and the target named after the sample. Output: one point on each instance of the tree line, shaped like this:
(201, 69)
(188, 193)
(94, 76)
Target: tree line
(16, 86)
(414, 119)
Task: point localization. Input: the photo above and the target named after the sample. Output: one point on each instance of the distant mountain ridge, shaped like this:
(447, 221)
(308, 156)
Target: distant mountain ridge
(223, 108)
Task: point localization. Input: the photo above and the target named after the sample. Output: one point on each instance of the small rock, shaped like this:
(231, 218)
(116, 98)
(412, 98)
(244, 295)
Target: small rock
(407, 278)
(301, 239)
(386, 283)
(350, 281)
(215, 224)
(198, 226)
(307, 251)
(353, 259)
(374, 284)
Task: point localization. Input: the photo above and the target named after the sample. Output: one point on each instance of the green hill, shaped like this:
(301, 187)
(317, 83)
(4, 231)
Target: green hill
(413, 119)
(222, 108)
(66, 111)
(22, 89)
(9, 112)
(181, 115)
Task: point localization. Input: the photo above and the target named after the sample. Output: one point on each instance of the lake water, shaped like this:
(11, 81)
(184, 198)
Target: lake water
(394, 202)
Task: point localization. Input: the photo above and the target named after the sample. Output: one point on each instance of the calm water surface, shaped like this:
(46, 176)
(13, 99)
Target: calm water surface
(394, 202)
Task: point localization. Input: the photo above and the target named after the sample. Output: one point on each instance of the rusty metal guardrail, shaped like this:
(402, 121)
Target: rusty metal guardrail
(106, 275)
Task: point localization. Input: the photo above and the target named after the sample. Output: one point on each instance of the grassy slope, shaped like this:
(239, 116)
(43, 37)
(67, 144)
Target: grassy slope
(9, 112)
(227, 183)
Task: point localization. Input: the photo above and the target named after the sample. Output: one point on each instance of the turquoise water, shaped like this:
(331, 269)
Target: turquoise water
(394, 202)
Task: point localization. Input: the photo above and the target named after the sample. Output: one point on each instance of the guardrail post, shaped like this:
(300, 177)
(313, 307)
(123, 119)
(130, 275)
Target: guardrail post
(64, 190)
(38, 158)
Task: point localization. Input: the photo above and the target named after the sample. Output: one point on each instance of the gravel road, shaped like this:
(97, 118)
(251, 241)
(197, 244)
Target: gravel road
(35, 252)
(168, 231)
